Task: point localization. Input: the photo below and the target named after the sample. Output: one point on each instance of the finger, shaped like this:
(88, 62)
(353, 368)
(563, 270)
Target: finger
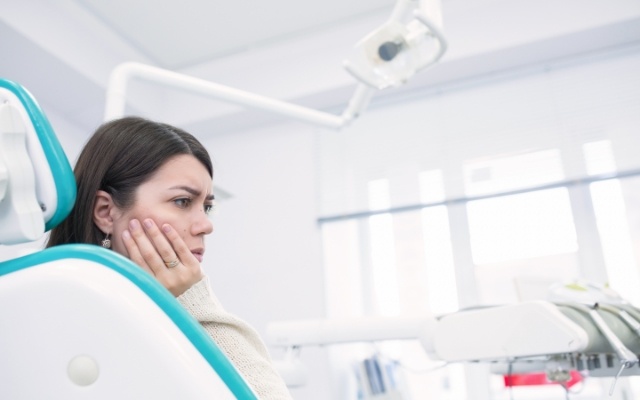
(180, 248)
(160, 242)
(147, 251)
(133, 252)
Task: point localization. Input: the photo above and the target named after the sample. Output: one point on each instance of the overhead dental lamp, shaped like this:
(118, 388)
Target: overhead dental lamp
(409, 41)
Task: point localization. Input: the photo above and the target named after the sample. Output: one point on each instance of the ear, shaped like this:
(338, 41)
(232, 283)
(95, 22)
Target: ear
(103, 211)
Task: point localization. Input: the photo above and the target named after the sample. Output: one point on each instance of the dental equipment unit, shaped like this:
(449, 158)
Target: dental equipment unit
(598, 335)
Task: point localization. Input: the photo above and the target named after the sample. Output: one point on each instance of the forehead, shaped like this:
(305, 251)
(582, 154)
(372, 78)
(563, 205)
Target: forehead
(183, 169)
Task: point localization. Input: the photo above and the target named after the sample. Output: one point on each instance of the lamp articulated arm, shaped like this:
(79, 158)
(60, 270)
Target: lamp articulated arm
(124, 73)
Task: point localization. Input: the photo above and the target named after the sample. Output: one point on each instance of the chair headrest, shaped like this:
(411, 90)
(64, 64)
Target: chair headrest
(37, 186)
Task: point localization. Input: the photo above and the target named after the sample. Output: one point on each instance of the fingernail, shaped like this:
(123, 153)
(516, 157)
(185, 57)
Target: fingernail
(166, 228)
(134, 224)
(126, 235)
(147, 223)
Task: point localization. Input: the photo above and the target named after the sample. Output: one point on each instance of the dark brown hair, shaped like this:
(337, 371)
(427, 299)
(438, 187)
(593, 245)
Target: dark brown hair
(120, 156)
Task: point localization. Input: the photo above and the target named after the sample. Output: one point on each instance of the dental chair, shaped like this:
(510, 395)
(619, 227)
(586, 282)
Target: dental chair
(80, 321)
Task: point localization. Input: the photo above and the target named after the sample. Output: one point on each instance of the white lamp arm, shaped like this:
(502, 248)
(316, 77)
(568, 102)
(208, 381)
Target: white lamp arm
(124, 73)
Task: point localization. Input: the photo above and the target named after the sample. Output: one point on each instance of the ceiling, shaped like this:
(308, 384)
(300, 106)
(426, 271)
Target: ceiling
(177, 35)
(63, 51)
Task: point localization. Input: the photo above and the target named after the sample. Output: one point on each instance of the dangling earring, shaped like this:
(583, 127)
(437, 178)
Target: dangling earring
(106, 242)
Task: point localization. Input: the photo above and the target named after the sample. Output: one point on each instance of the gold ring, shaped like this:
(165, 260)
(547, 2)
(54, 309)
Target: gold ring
(172, 264)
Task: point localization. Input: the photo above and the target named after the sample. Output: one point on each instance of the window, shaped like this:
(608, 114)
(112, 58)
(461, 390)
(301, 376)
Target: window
(612, 221)
(383, 255)
(527, 225)
(441, 279)
(524, 225)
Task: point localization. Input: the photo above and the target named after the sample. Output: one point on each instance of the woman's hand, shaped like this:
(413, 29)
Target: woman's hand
(163, 254)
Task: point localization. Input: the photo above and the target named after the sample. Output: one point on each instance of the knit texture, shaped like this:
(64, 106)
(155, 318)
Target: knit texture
(237, 339)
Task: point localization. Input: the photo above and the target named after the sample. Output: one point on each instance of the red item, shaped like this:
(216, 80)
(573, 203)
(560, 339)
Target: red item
(538, 379)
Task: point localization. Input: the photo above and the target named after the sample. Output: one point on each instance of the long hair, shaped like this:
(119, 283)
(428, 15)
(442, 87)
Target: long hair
(120, 156)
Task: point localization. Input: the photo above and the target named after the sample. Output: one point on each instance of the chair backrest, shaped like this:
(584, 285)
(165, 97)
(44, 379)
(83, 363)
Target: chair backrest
(82, 322)
(79, 321)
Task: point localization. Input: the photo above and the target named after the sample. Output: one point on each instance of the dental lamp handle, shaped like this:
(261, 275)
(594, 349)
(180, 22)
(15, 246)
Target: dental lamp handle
(436, 32)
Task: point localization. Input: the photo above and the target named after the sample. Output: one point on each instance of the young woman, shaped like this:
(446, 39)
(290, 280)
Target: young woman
(145, 191)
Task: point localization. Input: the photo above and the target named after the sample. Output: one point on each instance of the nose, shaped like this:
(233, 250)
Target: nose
(202, 224)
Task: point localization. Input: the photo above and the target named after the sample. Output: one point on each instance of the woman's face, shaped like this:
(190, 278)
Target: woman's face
(178, 194)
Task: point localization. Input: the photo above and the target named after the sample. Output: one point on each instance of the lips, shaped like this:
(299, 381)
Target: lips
(198, 254)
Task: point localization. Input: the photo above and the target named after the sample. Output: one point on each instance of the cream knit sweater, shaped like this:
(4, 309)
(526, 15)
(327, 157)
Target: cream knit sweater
(237, 339)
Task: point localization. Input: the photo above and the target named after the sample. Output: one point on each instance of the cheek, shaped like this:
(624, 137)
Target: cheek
(160, 215)
(176, 220)
(181, 226)
(117, 244)
(122, 222)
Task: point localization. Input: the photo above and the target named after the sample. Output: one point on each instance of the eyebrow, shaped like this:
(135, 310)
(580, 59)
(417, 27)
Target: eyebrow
(192, 191)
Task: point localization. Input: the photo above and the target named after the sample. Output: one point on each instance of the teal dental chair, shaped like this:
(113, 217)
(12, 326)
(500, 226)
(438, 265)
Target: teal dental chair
(79, 321)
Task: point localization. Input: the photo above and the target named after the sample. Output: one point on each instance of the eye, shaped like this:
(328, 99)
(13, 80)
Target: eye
(182, 202)
(209, 209)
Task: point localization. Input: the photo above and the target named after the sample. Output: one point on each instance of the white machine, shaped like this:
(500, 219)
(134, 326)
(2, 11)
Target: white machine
(582, 328)
(79, 321)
